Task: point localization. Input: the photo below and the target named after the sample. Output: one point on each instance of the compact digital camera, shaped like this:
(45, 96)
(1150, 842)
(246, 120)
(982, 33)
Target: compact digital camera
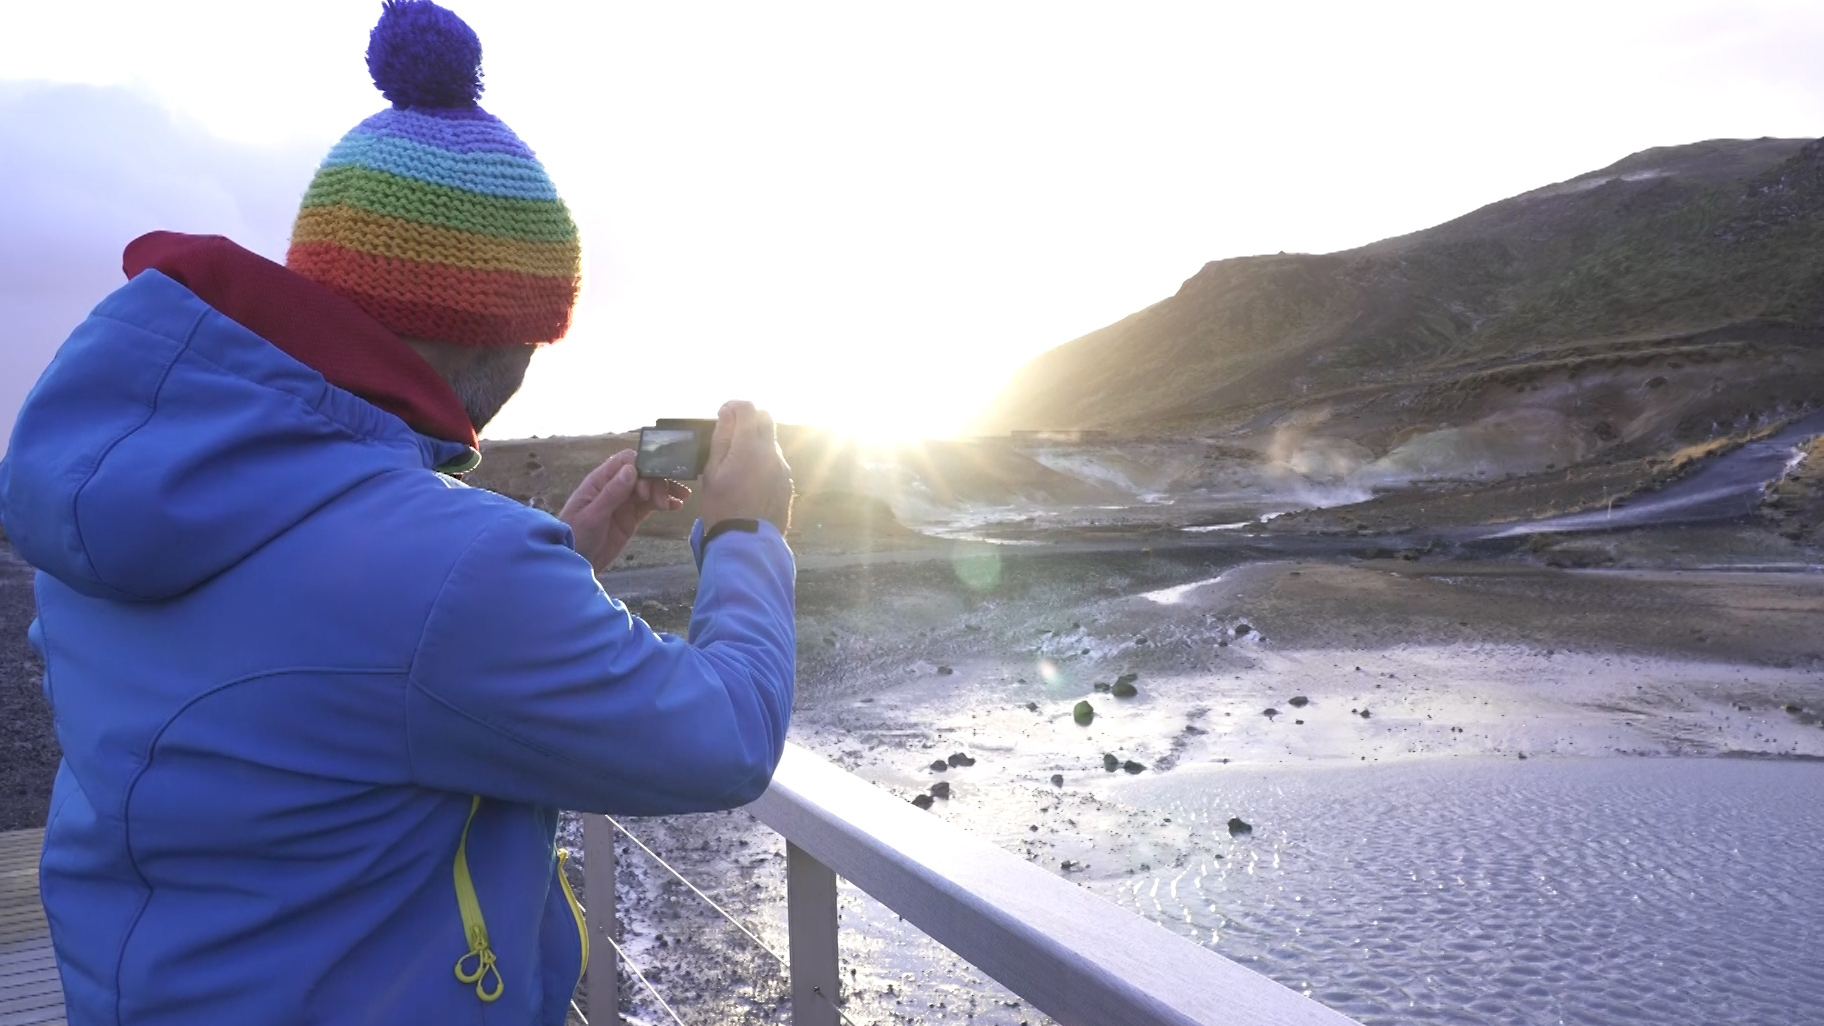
(674, 448)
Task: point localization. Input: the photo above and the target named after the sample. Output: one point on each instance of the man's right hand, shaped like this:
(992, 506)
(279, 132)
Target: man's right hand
(747, 476)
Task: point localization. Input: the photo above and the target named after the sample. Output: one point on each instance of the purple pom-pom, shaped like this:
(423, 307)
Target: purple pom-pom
(424, 56)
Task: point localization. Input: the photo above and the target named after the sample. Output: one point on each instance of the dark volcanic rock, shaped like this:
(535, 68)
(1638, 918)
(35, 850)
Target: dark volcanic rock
(1126, 678)
(923, 801)
(961, 759)
(1057, 780)
(944, 671)
(1125, 690)
(1270, 712)
(1110, 763)
(1299, 702)
(1242, 629)
(1083, 713)
(1032, 707)
(1133, 767)
(941, 789)
(1239, 827)
(1102, 685)
(939, 766)
(28, 764)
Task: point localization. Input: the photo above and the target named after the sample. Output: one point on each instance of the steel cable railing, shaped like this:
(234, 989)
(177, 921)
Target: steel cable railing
(719, 910)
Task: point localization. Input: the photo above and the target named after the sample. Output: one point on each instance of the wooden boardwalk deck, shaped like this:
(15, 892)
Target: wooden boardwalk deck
(30, 993)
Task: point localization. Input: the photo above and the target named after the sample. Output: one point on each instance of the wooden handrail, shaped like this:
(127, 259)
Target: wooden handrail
(1072, 955)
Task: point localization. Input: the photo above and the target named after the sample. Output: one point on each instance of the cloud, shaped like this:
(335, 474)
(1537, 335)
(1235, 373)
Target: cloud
(86, 169)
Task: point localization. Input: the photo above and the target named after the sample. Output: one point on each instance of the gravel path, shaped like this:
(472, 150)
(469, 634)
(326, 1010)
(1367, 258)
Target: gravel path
(29, 753)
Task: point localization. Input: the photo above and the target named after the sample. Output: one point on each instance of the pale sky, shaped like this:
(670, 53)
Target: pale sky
(867, 215)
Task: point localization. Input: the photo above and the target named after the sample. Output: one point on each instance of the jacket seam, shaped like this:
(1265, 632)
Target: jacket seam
(183, 346)
(307, 406)
(145, 763)
(420, 686)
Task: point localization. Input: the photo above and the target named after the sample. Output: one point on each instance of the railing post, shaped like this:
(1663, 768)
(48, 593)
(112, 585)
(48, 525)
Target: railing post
(810, 913)
(598, 886)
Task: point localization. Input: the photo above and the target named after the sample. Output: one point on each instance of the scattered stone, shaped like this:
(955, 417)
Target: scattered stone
(1222, 643)
(1270, 713)
(1068, 864)
(1242, 629)
(1365, 714)
(1032, 707)
(1141, 640)
(1794, 709)
(1191, 728)
(1299, 722)
(1133, 767)
(1057, 780)
(1083, 713)
(1110, 763)
(941, 789)
(939, 766)
(1102, 685)
(1239, 827)
(1125, 690)
(944, 671)
(1126, 678)
(1522, 755)
(923, 801)
(1298, 702)
(961, 759)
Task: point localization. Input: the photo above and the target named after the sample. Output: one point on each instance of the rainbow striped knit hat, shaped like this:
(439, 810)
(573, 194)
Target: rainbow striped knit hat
(433, 216)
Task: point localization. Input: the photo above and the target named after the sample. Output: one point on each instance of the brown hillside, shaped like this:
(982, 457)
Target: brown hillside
(1672, 294)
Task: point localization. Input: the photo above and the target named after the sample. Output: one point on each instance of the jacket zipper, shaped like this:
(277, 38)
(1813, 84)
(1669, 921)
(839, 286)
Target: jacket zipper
(474, 927)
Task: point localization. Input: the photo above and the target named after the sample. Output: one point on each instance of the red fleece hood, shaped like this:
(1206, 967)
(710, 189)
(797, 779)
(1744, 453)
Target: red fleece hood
(309, 323)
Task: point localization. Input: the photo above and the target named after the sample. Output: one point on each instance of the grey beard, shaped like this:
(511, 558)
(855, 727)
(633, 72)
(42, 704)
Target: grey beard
(485, 385)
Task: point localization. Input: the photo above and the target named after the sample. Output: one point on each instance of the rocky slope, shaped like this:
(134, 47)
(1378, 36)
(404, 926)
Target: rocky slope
(1673, 296)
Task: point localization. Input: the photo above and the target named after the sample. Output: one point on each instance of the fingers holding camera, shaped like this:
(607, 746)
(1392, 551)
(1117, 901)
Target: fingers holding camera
(747, 476)
(608, 507)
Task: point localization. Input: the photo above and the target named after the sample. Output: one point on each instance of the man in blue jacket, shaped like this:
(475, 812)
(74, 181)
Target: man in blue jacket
(319, 702)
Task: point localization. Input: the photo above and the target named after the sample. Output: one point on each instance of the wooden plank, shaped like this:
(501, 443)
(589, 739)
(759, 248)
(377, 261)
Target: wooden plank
(42, 1008)
(33, 1015)
(18, 960)
(31, 991)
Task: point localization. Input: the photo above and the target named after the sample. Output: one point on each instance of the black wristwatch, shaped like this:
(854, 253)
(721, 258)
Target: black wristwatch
(745, 525)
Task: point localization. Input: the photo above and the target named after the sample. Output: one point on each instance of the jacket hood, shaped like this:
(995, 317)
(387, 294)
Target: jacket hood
(166, 442)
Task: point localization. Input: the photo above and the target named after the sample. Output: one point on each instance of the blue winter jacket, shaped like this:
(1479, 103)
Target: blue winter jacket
(285, 656)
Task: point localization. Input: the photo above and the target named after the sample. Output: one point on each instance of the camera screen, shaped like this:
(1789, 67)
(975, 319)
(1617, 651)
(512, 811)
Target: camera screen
(667, 452)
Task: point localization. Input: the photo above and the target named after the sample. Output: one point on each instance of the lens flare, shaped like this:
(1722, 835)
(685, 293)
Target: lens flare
(979, 569)
(1051, 673)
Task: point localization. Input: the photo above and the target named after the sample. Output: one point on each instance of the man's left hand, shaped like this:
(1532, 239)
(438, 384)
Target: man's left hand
(609, 505)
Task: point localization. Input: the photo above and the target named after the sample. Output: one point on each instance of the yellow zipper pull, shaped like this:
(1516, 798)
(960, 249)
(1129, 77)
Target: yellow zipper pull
(473, 925)
(576, 912)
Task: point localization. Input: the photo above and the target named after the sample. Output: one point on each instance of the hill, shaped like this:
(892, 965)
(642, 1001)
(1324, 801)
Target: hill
(1673, 296)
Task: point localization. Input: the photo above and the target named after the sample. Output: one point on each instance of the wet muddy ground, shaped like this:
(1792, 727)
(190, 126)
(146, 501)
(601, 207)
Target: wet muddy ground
(1624, 729)
(1389, 679)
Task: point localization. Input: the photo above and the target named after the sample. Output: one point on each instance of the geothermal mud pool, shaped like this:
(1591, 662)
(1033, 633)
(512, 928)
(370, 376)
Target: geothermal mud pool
(1508, 793)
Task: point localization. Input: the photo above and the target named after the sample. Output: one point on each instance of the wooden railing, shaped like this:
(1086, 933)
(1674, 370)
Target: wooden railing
(1072, 955)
